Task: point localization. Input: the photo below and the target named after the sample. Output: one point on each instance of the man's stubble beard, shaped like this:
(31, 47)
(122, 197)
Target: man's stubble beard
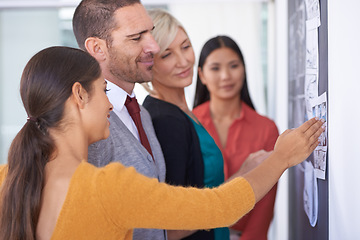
(128, 74)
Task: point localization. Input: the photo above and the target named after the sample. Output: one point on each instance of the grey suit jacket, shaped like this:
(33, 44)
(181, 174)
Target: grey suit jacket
(122, 146)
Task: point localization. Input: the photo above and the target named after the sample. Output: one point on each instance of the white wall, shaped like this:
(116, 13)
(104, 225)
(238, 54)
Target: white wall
(280, 228)
(28, 33)
(344, 115)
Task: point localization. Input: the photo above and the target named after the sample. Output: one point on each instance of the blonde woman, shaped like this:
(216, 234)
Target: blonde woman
(191, 155)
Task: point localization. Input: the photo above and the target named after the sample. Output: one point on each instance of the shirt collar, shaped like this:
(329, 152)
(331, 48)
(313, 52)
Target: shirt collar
(244, 114)
(117, 95)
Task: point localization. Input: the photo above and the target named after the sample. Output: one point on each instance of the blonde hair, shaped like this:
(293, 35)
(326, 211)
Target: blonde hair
(164, 33)
(166, 27)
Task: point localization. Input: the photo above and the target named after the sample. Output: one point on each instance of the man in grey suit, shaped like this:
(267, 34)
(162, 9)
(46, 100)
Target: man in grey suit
(118, 34)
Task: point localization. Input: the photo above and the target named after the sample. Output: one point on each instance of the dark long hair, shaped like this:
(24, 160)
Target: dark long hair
(202, 93)
(46, 84)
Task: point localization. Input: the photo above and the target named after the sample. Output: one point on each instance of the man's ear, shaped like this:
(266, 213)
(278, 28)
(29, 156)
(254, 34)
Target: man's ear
(201, 76)
(79, 95)
(97, 48)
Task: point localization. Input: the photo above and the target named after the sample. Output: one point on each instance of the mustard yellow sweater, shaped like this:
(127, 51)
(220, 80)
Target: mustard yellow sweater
(107, 203)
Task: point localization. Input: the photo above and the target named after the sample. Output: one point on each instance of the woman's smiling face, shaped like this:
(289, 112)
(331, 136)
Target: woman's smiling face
(174, 67)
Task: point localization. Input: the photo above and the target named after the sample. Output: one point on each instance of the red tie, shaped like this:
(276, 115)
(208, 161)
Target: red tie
(134, 110)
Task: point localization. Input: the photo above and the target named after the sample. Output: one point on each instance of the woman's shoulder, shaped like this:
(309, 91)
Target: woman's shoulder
(86, 168)
(203, 110)
(255, 116)
(102, 181)
(157, 106)
(88, 178)
(164, 112)
(260, 123)
(3, 172)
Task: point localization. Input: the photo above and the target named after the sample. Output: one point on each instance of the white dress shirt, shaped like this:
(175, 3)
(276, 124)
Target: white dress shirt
(117, 97)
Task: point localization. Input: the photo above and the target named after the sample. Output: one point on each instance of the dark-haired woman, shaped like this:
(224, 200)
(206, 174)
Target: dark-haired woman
(224, 107)
(49, 191)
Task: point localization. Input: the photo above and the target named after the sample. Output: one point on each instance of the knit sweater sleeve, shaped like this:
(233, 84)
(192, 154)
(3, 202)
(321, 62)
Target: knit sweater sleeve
(132, 200)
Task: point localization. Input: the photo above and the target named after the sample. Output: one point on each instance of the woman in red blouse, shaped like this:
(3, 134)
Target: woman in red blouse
(224, 107)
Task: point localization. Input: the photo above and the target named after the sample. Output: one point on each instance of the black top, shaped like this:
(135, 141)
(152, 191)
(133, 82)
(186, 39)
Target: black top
(181, 148)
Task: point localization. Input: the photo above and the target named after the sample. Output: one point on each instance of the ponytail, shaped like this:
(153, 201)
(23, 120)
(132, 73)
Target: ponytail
(21, 192)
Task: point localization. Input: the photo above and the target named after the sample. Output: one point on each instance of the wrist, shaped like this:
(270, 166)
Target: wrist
(278, 161)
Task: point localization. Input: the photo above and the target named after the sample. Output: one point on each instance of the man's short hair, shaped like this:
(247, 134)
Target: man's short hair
(95, 18)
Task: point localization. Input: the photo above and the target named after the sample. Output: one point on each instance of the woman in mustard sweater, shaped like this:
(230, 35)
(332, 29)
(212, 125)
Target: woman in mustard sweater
(49, 191)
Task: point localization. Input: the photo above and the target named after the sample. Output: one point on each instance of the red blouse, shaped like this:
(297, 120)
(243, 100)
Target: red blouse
(247, 134)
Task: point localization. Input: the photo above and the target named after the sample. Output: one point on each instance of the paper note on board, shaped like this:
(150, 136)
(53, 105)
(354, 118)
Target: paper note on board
(319, 109)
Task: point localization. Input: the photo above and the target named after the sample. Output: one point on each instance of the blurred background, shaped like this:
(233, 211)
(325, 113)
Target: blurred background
(29, 26)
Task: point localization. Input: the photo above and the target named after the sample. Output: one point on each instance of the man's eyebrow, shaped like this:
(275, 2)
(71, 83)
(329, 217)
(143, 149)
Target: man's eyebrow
(139, 33)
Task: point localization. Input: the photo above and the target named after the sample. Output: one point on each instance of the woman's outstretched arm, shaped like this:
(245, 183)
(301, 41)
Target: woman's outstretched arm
(291, 148)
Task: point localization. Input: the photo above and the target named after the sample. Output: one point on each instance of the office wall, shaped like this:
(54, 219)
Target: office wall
(29, 31)
(344, 115)
(301, 186)
(280, 225)
(24, 31)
